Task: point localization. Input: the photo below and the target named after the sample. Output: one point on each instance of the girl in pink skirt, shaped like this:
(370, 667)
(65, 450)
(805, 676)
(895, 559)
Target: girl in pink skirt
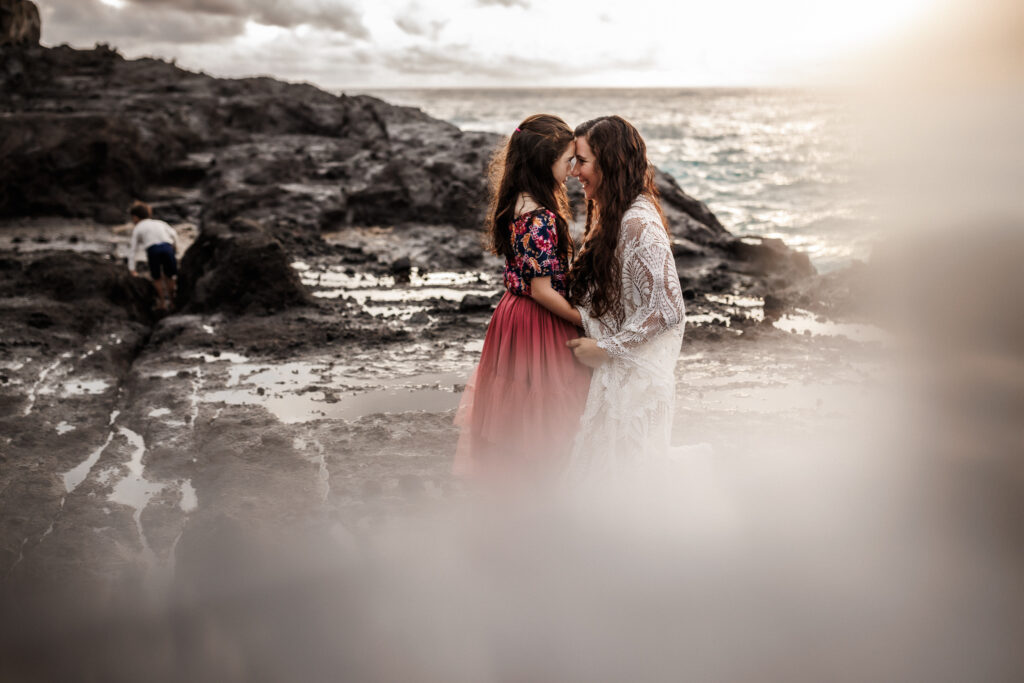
(521, 408)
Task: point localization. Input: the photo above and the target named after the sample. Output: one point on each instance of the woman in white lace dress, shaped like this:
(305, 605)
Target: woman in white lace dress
(625, 285)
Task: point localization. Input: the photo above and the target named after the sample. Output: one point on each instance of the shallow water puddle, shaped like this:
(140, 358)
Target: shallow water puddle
(313, 406)
(76, 475)
(374, 293)
(134, 490)
(36, 387)
(189, 499)
(365, 297)
(800, 322)
(343, 277)
(428, 392)
(272, 376)
(707, 319)
(220, 356)
(751, 302)
(197, 385)
(400, 312)
(804, 322)
(84, 387)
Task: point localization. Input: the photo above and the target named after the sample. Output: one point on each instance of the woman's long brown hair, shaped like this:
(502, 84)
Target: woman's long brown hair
(620, 156)
(524, 165)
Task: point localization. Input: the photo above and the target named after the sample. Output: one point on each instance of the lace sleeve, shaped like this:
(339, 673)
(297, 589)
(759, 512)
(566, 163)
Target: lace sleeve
(651, 296)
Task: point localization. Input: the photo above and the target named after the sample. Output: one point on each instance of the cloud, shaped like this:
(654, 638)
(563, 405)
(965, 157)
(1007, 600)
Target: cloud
(504, 3)
(414, 23)
(456, 60)
(464, 62)
(419, 28)
(87, 22)
(337, 15)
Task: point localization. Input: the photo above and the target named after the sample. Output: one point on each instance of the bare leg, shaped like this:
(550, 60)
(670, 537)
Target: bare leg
(172, 289)
(160, 284)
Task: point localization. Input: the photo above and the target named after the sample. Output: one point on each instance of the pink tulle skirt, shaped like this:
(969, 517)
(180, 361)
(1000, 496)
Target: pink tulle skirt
(521, 408)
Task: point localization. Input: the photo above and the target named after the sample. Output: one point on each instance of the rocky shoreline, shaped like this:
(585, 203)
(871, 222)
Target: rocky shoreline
(331, 305)
(257, 487)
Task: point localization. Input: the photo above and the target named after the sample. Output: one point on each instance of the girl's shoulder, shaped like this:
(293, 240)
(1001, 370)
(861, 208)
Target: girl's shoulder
(525, 204)
(539, 217)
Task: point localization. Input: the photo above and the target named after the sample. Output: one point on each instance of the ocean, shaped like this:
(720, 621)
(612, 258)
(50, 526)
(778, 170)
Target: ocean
(777, 163)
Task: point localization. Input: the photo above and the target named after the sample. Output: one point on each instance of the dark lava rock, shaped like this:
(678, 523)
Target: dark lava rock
(419, 318)
(771, 256)
(401, 268)
(855, 290)
(19, 23)
(95, 285)
(475, 302)
(774, 307)
(247, 272)
(39, 320)
(86, 131)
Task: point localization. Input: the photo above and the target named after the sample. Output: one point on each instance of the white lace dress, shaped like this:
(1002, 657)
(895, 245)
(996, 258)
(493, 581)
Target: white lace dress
(628, 415)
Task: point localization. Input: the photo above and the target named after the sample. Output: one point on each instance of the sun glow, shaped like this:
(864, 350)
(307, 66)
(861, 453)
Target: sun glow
(256, 32)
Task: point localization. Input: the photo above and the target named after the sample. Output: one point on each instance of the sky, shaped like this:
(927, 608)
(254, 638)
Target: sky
(374, 44)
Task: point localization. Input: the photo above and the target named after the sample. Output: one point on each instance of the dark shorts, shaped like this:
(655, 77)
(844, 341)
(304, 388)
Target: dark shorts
(161, 258)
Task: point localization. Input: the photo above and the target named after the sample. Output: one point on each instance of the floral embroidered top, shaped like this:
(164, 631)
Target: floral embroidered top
(534, 244)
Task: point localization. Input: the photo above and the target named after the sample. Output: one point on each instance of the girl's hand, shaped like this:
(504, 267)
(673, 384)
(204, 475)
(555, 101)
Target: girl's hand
(588, 352)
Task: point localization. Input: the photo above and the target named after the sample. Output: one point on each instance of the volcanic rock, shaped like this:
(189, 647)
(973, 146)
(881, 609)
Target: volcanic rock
(88, 131)
(238, 272)
(767, 256)
(19, 23)
(56, 301)
(401, 268)
(85, 131)
(94, 285)
(473, 303)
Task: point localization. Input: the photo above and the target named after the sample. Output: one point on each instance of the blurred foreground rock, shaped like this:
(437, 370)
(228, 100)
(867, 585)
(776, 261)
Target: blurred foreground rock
(19, 23)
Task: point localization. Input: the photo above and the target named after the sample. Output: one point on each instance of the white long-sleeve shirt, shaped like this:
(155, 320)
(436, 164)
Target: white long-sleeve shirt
(148, 232)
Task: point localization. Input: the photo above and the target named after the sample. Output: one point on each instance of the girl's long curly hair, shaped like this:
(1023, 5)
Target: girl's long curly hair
(620, 157)
(524, 165)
